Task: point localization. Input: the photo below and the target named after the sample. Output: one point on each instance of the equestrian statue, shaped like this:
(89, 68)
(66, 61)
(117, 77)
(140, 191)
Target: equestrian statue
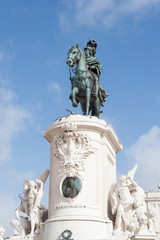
(85, 82)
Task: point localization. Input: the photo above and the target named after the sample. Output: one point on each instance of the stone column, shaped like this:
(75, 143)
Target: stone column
(82, 170)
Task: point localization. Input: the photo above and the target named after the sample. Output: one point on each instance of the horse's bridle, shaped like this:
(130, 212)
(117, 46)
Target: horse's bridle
(73, 59)
(74, 62)
(71, 68)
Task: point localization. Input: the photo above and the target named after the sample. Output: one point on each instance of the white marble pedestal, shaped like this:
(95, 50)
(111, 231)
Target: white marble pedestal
(82, 169)
(144, 237)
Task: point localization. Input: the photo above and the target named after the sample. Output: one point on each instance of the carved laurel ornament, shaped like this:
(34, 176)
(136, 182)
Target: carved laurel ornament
(71, 148)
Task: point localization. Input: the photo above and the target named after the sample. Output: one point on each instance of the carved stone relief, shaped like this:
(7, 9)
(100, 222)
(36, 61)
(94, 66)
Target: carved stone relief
(71, 148)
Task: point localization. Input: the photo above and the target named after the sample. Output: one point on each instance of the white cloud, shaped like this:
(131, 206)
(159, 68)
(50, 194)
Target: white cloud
(7, 52)
(54, 87)
(157, 99)
(146, 153)
(17, 177)
(12, 121)
(106, 13)
(109, 120)
(1, 56)
(8, 205)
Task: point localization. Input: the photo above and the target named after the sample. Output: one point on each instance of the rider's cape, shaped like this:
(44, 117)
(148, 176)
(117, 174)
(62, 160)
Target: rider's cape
(93, 61)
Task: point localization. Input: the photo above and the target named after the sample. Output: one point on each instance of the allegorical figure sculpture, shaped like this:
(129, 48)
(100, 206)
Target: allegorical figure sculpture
(85, 82)
(122, 204)
(30, 205)
(129, 207)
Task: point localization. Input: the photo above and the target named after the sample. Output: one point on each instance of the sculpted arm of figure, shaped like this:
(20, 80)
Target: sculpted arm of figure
(130, 177)
(94, 69)
(131, 173)
(132, 185)
(39, 193)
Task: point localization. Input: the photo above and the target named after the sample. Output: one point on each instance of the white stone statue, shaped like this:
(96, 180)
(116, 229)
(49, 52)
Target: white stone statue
(129, 207)
(153, 223)
(18, 232)
(139, 207)
(30, 205)
(2, 232)
(21, 227)
(122, 201)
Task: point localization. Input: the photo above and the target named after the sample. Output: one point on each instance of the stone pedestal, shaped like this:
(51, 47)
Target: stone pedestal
(144, 234)
(82, 170)
(144, 237)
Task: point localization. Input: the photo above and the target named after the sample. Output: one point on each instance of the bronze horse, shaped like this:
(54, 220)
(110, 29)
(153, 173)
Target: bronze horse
(82, 84)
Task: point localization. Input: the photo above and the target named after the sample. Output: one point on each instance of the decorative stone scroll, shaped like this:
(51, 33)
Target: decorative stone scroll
(66, 235)
(71, 148)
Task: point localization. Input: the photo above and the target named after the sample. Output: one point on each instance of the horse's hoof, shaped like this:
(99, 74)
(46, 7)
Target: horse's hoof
(75, 104)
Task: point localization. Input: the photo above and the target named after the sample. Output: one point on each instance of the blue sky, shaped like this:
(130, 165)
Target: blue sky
(34, 83)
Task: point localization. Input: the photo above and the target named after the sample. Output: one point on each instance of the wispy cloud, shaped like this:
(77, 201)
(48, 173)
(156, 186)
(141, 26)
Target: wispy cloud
(13, 177)
(55, 89)
(8, 204)
(53, 86)
(108, 13)
(157, 99)
(1, 56)
(7, 52)
(12, 121)
(146, 153)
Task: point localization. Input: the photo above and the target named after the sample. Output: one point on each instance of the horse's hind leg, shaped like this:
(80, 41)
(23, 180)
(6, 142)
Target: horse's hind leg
(75, 91)
(83, 107)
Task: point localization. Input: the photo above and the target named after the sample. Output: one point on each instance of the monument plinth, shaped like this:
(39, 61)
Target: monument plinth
(82, 168)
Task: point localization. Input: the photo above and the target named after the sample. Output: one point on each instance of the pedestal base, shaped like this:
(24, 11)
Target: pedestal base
(80, 230)
(82, 171)
(144, 237)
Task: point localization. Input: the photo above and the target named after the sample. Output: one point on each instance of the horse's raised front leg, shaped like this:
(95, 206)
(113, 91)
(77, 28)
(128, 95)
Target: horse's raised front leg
(88, 96)
(75, 91)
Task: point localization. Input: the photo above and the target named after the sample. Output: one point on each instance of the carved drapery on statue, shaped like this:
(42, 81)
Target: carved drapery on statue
(29, 226)
(129, 207)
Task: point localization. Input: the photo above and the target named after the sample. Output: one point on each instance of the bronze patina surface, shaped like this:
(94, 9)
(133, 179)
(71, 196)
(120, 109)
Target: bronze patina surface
(85, 82)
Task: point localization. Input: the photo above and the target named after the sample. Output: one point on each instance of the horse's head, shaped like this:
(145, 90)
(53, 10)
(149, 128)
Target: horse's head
(73, 56)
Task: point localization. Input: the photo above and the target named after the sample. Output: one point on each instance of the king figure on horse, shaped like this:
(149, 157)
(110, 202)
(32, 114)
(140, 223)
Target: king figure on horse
(85, 82)
(94, 66)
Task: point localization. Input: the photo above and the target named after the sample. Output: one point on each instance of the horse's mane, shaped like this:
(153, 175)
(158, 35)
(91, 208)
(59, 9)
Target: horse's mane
(82, 53)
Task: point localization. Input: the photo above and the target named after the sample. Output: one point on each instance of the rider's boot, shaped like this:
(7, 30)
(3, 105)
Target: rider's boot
(95, 92)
